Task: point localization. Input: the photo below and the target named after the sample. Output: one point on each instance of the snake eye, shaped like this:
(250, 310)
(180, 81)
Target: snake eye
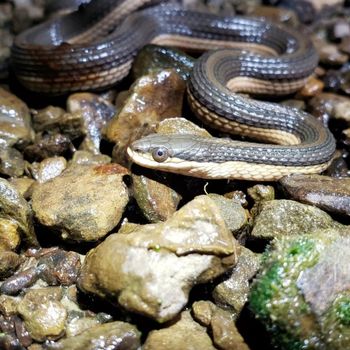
(160, 154)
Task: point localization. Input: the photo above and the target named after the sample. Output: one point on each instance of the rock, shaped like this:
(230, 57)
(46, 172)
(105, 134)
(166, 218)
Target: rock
(77, 324)
(88, 158)
(9, 262)
(327, 193)
(152, 269)
(84, 203)
(312, 87)
(180, 126)
(153, 57)
(261, 193)
(232, 211)
(24, 186)
(222, 327)
(152, 98)
(95, 112)
(44, 316)
(15, 123)
(48, 169)
(338, 80)
(185, 334)
(8, 305)
(330, 105)
(21, 280)
(305, 281)
(48, 119)
(233, 292)
(282, 217)
(156, 200)
(60, 267)
(330, 54)
(15, 208)
(48, 145)
(112, 336)
(9, 235)
(275, 14)
(11, 162)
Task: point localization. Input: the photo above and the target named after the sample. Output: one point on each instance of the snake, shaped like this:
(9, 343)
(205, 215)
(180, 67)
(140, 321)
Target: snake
(93, 48)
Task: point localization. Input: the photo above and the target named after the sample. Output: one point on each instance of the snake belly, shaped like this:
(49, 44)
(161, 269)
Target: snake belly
(93, 48)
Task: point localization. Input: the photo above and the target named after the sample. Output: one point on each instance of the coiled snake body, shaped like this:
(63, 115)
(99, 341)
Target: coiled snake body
(80, 51)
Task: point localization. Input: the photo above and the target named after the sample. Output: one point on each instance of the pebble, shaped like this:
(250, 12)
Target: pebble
(327, 193)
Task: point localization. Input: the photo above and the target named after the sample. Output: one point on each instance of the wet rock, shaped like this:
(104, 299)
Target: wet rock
(113, 336)
(152, 98)
(154, 57)
(275, 14)
(84, 203)
(152, 269)
(222, 327)
(23, 186)
(22, 334)
(312, 87)
(11, 162)
(15, 208)
(330, 54)
(43, 314)
(325, 192)
(278, 218)
(233, 292)
(232, 211)
(95, 112)
(48, 145)
(21, 280)
(302, 8)
(329, 105)
(185, 334)
(180, 126)
(338, 168)
(338, 80)
(8, 305)
(9, 262)
(9, 235)
(48, 169)
(15, 123)
(88, 158)
(261, 193)
(78, 323)
(305, 280)
(47, 119)
(156, 200)
(60, 267)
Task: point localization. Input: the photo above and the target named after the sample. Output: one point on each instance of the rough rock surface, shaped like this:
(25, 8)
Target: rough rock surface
(84, 203)
(152, 269)
(285, 217)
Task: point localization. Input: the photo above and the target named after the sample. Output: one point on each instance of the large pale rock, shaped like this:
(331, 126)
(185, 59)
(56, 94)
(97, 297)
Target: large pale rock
(152, 269)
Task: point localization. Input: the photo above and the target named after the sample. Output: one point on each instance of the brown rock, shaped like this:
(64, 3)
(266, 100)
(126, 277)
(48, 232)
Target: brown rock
(153, 98)
(328, 193)
(84, 203)
(156, 200)
(185, 334)
(15, 123)
(112, 336)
